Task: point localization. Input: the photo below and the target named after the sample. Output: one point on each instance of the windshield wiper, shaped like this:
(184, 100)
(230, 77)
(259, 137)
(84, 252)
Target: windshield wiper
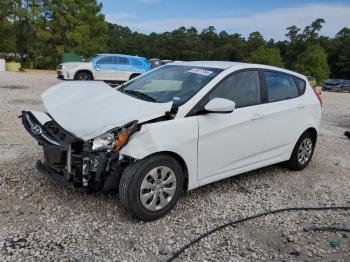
(140, 95)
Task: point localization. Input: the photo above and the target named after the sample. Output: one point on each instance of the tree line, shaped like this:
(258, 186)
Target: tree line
(39, 32)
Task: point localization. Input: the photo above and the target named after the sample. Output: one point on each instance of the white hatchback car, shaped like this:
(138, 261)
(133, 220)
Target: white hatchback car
(173, 129)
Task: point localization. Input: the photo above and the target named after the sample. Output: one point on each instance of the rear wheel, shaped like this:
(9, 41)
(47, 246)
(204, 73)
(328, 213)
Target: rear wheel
(83, 76)
(151, 187)
(302, 152)
(133, 76)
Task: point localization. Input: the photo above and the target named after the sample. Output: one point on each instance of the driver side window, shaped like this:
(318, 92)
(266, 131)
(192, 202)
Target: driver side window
(106, 60)
(243, 88)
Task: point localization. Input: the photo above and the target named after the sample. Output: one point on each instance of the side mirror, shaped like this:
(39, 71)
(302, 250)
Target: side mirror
(97, 67)
(220, 105)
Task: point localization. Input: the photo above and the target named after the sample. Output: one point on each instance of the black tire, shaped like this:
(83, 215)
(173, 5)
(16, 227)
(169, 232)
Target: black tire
(83, 76)
(133, 76)
(293, 163)
(130, 186)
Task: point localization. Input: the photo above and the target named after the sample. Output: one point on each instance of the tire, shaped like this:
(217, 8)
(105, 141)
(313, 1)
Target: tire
(296, 161)
(144, 204)
(83, 76)
(133, 76)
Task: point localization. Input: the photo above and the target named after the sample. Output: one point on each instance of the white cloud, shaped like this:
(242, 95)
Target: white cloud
(118, 17)
(272, 23)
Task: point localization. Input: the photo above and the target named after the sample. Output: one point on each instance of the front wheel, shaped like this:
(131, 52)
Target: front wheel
(302, 152)
(83, 76)
(151, 187)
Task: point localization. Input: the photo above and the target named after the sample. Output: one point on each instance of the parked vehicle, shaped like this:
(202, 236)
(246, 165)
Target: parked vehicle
(312, 81)
(165, 62)
(109, 67)
(173, 129)
(338, 85)
(155, 62)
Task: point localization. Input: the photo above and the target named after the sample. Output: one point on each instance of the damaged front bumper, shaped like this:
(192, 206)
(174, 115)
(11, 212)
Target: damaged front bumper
(70, 161)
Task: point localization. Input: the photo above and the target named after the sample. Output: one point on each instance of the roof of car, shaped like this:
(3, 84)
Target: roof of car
(225, 65)
(122, 55)
(212, 64)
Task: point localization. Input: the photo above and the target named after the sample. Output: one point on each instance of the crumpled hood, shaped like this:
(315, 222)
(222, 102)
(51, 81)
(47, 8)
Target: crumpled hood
(88, 109)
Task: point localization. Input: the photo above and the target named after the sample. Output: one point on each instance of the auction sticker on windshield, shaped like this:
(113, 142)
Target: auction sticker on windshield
(200, 71)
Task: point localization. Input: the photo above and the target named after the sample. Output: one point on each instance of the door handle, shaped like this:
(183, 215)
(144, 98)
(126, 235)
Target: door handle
(301, 106)
(257, 116)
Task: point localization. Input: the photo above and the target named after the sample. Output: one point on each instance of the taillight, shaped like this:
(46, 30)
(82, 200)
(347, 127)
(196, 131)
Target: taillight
(318, 94)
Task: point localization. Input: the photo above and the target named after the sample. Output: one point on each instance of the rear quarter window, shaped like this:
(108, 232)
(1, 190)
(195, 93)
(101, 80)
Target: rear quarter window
(301, 85)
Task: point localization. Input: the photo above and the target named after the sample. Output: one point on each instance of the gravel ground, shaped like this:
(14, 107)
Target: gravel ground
(41, 221)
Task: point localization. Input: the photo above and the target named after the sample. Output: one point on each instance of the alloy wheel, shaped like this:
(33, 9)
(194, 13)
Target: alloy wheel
(305, 151)
(158, 188)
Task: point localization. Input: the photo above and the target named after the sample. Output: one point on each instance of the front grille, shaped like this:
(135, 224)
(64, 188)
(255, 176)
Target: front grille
(54, 157)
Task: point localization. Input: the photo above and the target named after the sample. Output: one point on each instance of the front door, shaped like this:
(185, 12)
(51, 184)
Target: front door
(104, 68)
(123, 68)
(232, 143)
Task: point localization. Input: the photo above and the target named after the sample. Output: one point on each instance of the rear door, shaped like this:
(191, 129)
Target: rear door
(123, 68)
(284, 113)
(232, 143)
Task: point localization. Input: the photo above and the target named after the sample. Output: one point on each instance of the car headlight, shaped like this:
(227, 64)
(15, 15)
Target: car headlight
(103, 142)
(115, 140)
(121, 139)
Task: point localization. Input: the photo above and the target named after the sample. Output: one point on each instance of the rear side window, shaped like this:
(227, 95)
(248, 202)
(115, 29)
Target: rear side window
(136, 62)
(280, 87)
(242, 88)
(122, 60)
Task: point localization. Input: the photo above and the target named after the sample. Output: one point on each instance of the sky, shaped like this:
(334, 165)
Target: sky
(269, 17)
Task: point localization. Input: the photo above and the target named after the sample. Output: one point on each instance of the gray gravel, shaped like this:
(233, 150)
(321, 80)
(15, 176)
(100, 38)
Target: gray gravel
(41, 221)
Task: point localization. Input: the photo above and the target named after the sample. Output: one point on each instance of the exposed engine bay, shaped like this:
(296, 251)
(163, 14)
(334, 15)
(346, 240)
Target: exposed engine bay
(93, 165)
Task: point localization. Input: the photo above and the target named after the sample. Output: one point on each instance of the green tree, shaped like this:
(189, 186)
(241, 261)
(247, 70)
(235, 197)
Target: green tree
(7, 35)
(310, 32)
(77, 26)
(267, 56)
(313, 62)
(339, 54)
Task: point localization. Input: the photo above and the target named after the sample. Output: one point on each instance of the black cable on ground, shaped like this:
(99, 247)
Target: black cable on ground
(267, 213)
(331, 229)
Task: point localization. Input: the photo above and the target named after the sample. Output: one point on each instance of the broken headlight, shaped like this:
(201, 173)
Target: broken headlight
(115, 140)
(105, 141)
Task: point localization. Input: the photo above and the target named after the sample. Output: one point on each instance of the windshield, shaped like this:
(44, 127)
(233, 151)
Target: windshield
(92, 58)
(175, 83)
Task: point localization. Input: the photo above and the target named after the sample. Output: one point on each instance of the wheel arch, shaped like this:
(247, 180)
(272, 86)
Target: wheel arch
(133, 75)
(84, 70)
(313, 131)
(180, 160)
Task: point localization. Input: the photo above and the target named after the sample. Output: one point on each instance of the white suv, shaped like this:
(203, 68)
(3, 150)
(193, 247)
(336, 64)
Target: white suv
(107, 67)
(173, 129)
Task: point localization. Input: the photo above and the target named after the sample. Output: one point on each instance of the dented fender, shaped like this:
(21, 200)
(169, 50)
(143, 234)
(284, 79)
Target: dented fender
(179, 136)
